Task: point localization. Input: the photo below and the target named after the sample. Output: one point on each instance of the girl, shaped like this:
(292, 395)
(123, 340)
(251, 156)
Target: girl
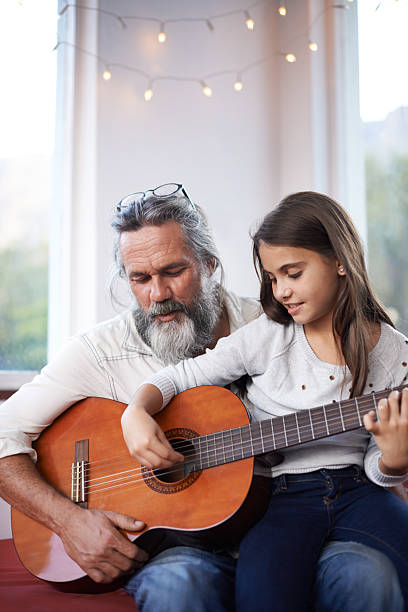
(323, 337)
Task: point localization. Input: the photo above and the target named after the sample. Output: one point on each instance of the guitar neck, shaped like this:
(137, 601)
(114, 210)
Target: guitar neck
(282, 432)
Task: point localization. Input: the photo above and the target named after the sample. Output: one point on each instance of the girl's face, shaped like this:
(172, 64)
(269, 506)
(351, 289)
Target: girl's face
(303, 281)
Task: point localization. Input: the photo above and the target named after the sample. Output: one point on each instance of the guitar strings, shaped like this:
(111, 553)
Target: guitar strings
(326, 409)
(186, 443)
(245, 444)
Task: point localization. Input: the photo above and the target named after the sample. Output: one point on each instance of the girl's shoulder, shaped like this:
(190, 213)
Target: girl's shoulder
(263, 331)
(390, 341)
(391, 354)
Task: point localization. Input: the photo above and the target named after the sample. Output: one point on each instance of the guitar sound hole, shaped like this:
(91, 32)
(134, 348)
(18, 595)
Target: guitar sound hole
(177, 472)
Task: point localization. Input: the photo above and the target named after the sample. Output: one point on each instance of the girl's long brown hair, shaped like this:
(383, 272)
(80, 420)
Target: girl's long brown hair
(314, 221)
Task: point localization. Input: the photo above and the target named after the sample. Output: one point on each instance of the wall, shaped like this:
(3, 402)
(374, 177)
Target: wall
(224, 148)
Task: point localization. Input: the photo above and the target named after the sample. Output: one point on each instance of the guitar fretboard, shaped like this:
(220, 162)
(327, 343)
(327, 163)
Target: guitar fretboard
(282, 432)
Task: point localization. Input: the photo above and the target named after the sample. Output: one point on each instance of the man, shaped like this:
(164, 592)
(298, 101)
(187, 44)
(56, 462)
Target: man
(165, 251)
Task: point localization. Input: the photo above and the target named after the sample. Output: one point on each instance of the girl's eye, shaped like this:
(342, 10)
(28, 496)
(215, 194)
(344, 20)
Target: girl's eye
(295, 275)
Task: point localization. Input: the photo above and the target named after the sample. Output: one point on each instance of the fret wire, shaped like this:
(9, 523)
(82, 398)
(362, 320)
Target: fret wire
(358, 411)
(211, 453)
(232, 445)
(273, 434)
(200, 457)
(311, 424)
(223, 445)
(250, 439)
(325, 419)
(297, 426)
(262, 440)
(375, 406)
(341, 415)
(284, 430)
(242, 442)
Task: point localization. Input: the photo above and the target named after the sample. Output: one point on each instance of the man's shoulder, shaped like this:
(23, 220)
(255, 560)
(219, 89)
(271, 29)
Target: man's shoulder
(115, 335)
(241, 310)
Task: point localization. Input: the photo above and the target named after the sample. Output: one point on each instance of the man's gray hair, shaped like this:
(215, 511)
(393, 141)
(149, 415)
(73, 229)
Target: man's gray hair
(157, 211)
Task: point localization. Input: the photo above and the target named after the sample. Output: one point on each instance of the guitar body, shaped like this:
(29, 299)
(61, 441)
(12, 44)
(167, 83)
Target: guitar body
(195, 508)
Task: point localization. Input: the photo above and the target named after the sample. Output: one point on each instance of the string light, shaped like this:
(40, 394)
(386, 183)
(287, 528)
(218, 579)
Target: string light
(148, 94)
(207, 91)
(238, 85)
(161, 37)
(249, 22)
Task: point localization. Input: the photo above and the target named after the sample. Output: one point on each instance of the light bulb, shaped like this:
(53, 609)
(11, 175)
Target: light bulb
(290, 57)
(238, 85)
(107, 74)
(282, 10)
(249, 22)
(161, 37)
(313, 46)
(148, 95)
(207, 91)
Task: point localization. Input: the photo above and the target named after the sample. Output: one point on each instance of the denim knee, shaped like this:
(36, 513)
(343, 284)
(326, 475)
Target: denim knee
(185, 579)
(352, 577)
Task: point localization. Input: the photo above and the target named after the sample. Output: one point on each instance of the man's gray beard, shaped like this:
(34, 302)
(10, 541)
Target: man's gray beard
(172, 341)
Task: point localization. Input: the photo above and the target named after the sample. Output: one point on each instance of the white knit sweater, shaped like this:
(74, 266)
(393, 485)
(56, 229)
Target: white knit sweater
(287, 377)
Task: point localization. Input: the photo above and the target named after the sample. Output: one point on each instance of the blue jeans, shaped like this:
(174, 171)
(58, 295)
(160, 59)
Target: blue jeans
(350, 578)
(278, 557)
(354, 578)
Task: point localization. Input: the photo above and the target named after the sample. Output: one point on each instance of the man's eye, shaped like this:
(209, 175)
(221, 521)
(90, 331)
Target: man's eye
(175, 272)
(139, 279)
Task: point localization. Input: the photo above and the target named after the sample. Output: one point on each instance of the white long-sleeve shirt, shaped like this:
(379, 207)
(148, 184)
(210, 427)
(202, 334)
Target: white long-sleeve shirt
(286, 377)
(110, 360)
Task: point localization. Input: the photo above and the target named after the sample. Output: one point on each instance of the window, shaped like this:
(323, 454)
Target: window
(383, 49)
(27, 112)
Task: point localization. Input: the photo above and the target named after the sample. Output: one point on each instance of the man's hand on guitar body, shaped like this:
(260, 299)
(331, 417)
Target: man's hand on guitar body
(90, 537)
(93, 540)
(144, 438)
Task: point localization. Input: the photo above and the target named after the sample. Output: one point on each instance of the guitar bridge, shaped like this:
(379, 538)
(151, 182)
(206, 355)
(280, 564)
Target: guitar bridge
(78, 475)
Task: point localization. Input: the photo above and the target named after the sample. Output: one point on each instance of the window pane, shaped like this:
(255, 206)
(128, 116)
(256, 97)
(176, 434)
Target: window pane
(384, 112)
(27, 112)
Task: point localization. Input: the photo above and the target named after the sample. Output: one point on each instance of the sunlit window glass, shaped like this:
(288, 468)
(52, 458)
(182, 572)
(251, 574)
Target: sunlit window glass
(27, 112)
(383, 50)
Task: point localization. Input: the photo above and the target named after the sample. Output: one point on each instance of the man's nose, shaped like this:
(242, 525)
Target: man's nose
(160, 290)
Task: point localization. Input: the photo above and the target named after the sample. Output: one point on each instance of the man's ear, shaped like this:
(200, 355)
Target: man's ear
(212, 266)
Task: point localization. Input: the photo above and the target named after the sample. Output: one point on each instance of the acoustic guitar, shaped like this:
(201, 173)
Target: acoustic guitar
(209, 499)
